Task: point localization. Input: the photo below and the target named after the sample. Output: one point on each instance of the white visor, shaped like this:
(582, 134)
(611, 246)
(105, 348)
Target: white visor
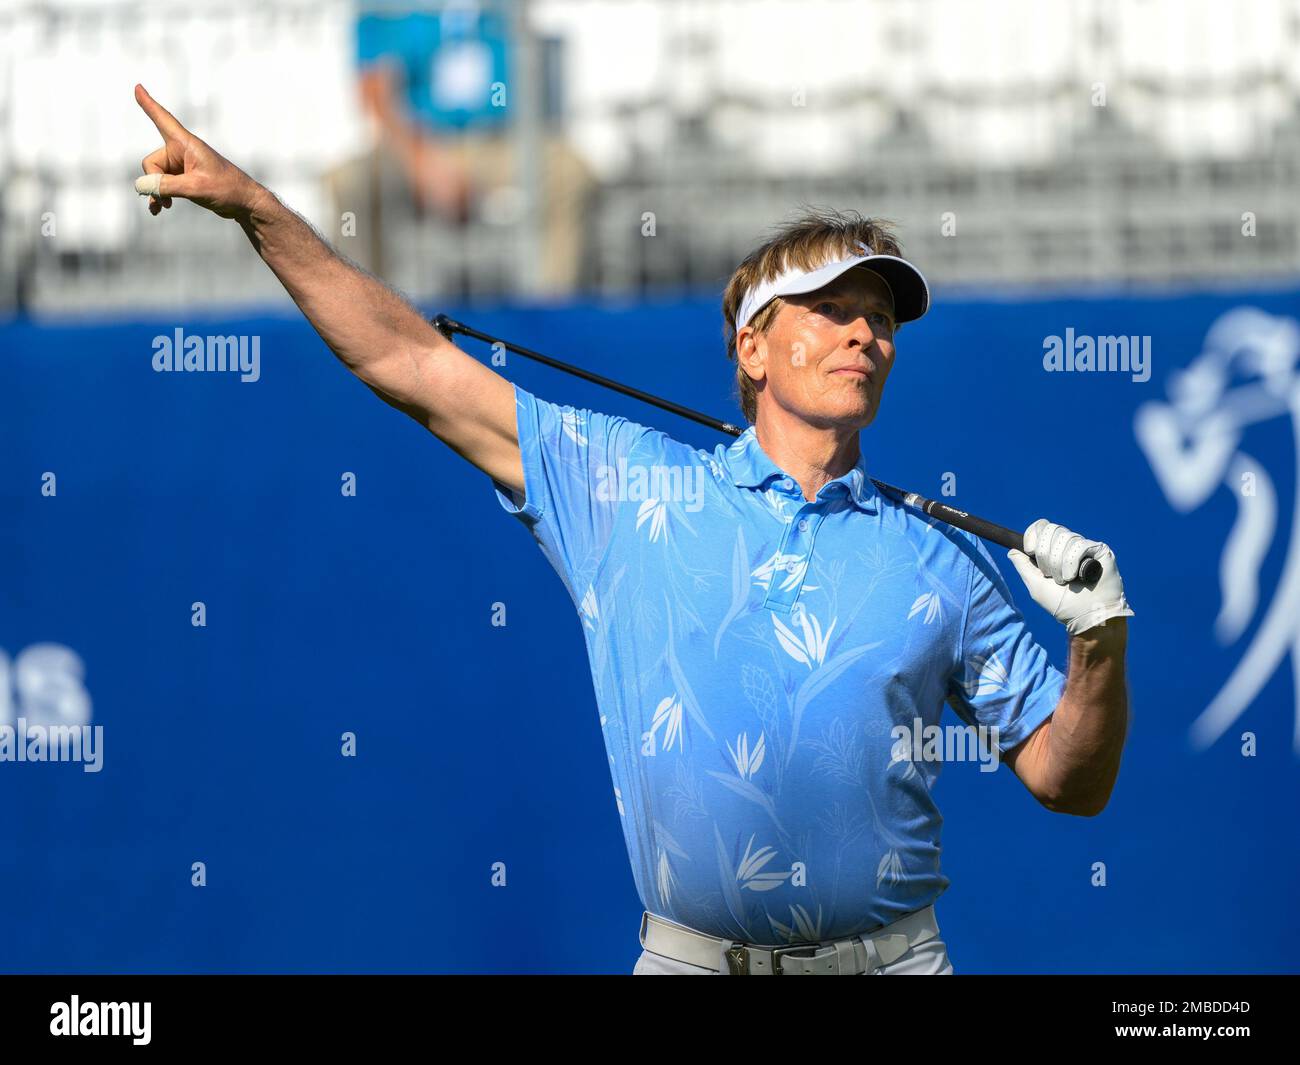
(906, 284)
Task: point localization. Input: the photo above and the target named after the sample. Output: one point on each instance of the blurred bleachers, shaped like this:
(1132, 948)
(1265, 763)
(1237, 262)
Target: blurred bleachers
(716, 116)
(268, 80)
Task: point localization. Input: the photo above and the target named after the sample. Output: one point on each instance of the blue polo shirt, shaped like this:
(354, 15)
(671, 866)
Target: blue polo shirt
(751, 652)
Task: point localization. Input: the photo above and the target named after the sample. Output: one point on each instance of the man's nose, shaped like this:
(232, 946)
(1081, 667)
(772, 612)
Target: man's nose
(862, 332)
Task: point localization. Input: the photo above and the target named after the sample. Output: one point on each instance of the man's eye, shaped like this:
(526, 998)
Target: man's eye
(882, 319)
(821, 308)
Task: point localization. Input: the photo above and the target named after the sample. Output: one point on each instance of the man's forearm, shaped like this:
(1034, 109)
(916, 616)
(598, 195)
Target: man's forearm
(372, 330)
(1087, 731)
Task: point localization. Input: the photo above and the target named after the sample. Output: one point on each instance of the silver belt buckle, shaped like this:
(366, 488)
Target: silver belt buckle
(738, 958)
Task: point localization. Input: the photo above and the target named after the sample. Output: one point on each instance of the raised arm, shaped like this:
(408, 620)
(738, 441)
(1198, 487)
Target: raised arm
(374, 332)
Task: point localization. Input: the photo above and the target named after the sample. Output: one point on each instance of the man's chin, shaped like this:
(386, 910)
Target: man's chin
(859, 416)
(848, 420)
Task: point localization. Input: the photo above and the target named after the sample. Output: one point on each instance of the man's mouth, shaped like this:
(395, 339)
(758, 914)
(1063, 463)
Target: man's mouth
(858, 371)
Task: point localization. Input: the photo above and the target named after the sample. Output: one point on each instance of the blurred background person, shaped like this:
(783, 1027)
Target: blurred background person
(437, 85)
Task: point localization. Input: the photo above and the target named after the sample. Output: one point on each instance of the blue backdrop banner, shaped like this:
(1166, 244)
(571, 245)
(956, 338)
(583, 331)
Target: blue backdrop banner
(315, 748)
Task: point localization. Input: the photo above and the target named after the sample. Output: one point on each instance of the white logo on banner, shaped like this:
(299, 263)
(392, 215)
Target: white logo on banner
(1246, 373)
(44, 686)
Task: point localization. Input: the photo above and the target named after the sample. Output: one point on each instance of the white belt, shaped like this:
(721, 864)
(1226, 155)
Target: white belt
(853, 956)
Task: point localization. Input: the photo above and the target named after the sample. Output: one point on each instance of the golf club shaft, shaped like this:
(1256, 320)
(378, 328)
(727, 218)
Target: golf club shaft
(987, 530)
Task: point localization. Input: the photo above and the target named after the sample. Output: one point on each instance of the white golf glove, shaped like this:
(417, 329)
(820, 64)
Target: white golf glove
(1050, 575)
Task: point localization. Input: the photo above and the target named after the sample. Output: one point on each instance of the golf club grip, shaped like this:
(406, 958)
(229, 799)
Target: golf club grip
(1089, 571)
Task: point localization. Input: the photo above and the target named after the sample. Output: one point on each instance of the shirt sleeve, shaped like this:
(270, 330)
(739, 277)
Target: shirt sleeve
(573, 461)
(1004, 678)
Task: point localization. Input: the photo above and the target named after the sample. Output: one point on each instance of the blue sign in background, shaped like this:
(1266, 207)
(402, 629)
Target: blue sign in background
(479, 744)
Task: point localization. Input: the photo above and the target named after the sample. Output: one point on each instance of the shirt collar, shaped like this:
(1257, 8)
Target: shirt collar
(751, 467)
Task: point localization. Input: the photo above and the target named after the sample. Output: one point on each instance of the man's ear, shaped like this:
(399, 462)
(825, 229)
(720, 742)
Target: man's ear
(750, 354)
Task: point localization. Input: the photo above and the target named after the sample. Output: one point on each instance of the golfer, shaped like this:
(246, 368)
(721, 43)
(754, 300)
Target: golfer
(769, 636)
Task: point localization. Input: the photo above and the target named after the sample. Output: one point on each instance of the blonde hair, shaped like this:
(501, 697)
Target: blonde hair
(816, 237)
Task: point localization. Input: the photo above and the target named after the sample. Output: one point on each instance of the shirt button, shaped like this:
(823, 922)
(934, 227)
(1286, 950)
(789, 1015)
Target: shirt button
(803, 524)
(787, 484)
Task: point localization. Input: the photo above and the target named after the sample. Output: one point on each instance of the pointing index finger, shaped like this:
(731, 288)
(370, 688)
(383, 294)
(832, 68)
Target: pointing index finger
(162, 118)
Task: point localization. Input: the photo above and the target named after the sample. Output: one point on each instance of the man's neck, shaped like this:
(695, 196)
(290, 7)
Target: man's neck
(811, 455)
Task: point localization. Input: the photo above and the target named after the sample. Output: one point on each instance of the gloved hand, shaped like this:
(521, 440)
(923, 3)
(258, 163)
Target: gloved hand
(1051, 576)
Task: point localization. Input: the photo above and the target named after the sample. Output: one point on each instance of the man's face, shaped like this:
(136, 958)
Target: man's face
(827, 354)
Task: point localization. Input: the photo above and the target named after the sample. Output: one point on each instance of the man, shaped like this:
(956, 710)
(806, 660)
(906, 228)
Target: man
(432, 87)
(760, 621)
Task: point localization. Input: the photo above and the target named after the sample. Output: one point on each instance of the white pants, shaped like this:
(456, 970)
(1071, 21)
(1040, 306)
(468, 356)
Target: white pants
(926, 959)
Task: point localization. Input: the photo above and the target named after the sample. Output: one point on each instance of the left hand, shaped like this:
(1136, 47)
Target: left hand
(1052, 577)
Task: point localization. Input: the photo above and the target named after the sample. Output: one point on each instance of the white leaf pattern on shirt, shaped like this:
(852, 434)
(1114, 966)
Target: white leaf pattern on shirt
(590, 611)
(991, 675)
(730, 888)
(574, 426)
(668, 712)
(747, 762)
(750, 872)
(801, 929)
(656, 512)
(777, 502)
(666, 880)
(739, 587)
(809, 647)
(929, 602)
(793, 566)
(890, 868)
